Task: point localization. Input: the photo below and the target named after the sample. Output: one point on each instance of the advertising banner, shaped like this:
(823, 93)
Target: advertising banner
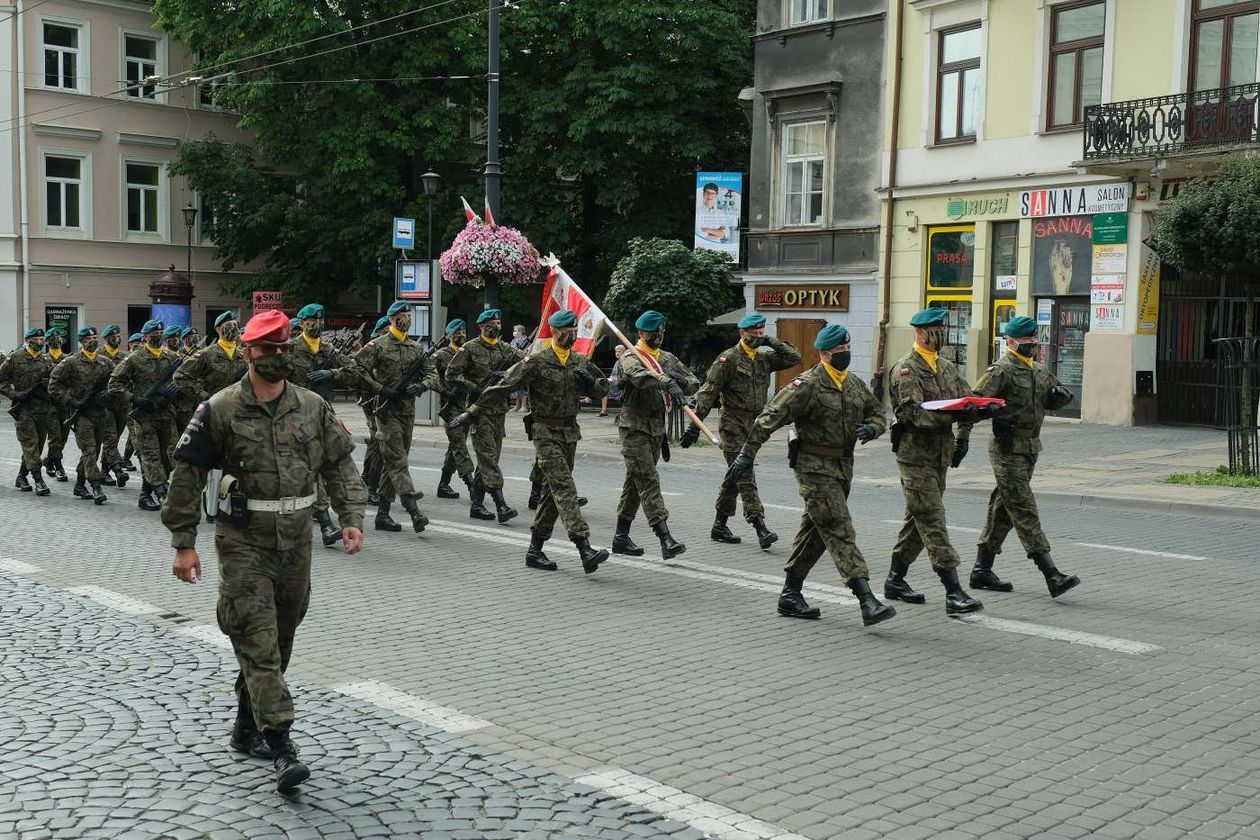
(719, 201)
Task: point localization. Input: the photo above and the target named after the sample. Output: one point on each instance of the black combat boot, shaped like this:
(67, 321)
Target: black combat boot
(129, 465)
(21, 483)
(80, 487)
(120, 475)
(95, 493)
(535, 494)
(159, 493)
(983, 576)
(873, 612)
(896, 588)
(535, 558)
(289, 771)
(670, 547)
(374, 498)
(328, 531)
(591, 556)
(792, 602)
(477, 497)
(384, 522)
(721, 533)
(60, 471)
(1056, 581)
(145, 502)
(444, 488)
(41, 489)
(106, 478)
(765, 537)
(504, 511)
(957, 600)
(418, 520)
(582, 500)
(246, 737)
(622, 544)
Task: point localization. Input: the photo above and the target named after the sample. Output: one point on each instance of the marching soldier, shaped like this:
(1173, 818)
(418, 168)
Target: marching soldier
(24, 376)
(479, 364)
(111, 457)
(653, 381)
(153, 417)
(1029, 390)
(188, 338)
(276, 441)
(211, 369)
(58, 432)
(556, 379)
(134, 342)
(372, 457)
(833, 410)
(457, 460)
(383, 361)
(740, 379)
(78, 384)
(926, 449)
(170, 337)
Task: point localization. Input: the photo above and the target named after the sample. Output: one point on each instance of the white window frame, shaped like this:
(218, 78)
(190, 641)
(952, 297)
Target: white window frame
(160, 63)
(785, 162)
(83, 81)
(937, 15)
(84, 228)
(811, 14)
(163, 201)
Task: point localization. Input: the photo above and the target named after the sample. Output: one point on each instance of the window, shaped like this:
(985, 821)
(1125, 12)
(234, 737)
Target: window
(808, 11)
(63, 193)
(1076, 58)
(958, 83)
(142, 185)
(1223, 44)
(804, 146)
(205, 220)
(140, 59)
(61, 56)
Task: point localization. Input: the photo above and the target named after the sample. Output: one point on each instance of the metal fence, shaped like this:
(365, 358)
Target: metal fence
(1163, 125)
(1239, 365)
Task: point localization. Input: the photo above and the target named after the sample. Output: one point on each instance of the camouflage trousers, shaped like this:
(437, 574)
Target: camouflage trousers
(33, 422)
(58, 433)
(825, 525)
(1012, 504)
(92, 431)
(155, 438)
(263, 597)
(457, 459)
(487, 443)
(372, 456)
(923, 486)
(556, 448)
(110, 453)
(393, 436)
(745, 488)
(641, 450)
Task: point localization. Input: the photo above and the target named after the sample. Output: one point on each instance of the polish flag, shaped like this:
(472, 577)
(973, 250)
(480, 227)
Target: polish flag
(489, 215)
(468, 211)
(560, 292)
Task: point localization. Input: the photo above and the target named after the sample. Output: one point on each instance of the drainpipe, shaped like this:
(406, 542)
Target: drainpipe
(886, 286)
(21, 174)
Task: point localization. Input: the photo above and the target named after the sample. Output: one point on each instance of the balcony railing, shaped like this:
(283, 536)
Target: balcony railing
(1171, 125)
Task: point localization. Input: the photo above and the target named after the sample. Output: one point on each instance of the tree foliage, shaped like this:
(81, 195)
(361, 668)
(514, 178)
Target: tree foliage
(689, 287)
(1210, 225)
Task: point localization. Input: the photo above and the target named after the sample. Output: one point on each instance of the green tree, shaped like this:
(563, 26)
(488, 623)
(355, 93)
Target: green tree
(689, 287)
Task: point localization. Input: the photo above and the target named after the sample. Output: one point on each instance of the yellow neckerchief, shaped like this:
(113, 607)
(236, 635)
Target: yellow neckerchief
(109, 351)
(394, 331)
(837, 376)
(90, 355)
(491, 341)
(157, 354)
(929, 356)
(1027, 361)
(55, 352)
(561, 353)
(313, 343)
(32, 352)
(750, 352)
(655, 354)
(229, 347)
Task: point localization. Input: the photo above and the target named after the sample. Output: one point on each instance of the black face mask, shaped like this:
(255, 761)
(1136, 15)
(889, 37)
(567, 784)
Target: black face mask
(934, 339)
(113, 341)
(154, 342)
(54, 343)
(565, 340)
(231, 333)
(1027, 350)
(89, 344)
(840, 360)
(316, 330)
(654, 340)
(457, 339)
(34, 346)
(755, 341)
(492, 331)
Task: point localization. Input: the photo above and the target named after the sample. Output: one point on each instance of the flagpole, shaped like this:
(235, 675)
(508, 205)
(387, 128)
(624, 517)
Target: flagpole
(686, 409)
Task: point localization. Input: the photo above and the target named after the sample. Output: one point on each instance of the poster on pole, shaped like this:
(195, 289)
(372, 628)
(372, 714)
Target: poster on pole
(719, 201)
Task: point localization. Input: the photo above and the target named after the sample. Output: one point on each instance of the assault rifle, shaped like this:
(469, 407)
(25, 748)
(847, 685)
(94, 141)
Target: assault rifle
(20, 398)
(98, 388)
(414, 371)
(156, 390)
(341, 347)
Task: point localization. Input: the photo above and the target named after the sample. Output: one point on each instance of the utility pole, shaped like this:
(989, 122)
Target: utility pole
(494, 172)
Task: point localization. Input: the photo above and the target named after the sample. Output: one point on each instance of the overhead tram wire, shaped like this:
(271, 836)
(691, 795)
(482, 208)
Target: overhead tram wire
(24, 10)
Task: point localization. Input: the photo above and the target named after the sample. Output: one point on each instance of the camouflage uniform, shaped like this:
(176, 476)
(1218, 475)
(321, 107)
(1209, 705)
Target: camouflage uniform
(924, 454)
(454, 401)
(275, 453)
(471, 369)
(641, 427)
(72, 381)
(154, 431)
(34, 417)
(58, 431)
(382, 361)
(111, 454)
(208, 371)
(826, 419)
(741, 383)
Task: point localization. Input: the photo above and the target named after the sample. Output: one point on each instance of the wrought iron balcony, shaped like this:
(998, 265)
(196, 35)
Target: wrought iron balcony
(1170, 125)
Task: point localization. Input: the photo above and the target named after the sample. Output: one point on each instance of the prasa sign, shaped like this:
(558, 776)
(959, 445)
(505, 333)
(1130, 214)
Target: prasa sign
(1074, 201)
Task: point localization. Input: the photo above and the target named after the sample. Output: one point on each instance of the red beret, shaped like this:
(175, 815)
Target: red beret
(270, 327)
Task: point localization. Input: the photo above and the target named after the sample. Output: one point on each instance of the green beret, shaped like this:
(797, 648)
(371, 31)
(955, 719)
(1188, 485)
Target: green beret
(489, 315)
(311, 310)
(650, 321)
(171, 332)
(456, 324)
(832, 335)
(381, 324)
(933, 317)
(224, 318)
(1021, 327)
(562, 319)
(752, 322)
(86, 331)
(112, 329)
(295, 323)
(56, 331)
(33, 332)
(187, 331)
(398, 306)
(134, 337)
(151, 325)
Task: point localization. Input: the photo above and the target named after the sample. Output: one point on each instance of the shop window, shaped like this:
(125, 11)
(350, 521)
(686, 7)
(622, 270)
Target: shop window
(959, 324)
(1076, 58)
(1003, 281)
(951, 257)
(1062, 255)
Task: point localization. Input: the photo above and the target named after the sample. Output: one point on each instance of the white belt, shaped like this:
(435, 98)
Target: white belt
(289, 504)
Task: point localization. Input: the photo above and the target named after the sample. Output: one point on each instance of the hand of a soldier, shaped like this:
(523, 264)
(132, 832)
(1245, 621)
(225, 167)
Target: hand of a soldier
(143, 405)
(970, 414)
(689, 437)
(169, 391)
(1003, 429)
(318, 377)
(187, 565)
(1061, 395)
(413, 390)
(462, 419)
(961, 447)
(743, 463)
(676, 391)
(866, 433)
(352, 539)
(104, 399)
(585, 379)
(388, 393)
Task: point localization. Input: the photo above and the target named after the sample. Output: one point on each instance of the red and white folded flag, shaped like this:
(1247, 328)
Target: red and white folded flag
(560, 292)
(963, 403)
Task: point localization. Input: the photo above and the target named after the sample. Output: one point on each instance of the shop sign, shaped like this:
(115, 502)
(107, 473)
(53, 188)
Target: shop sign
(1111, 228)
(1045, 312)
(830, 296)
(1074, 201)
(1107, 288)
(1110, 259)
(1107, 317)
(988, 205)
(1062, 253)
(267, 300)
(1148, 293)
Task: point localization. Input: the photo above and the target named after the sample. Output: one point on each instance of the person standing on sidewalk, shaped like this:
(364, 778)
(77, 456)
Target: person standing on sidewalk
(58, 432)
(926, 449)
(78, 384)
(832, 410)
(24, 378)
(275, 442)
(153, 421)
(521, 342)
(1029, 390)
(457, 461)
(740, 379)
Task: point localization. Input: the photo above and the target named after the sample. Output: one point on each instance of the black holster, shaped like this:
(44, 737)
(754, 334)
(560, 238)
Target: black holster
(665, 448)
(895, 433)
(794, 450)
(528, 422)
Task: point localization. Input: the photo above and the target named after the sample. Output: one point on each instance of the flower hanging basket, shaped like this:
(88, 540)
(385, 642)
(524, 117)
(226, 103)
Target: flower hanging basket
(482, 250)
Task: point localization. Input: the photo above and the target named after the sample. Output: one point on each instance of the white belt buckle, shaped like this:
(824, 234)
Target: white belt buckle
(288, 504)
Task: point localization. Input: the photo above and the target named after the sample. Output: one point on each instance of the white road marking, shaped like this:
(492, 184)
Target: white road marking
(1058, 634)
(116, 601)
(438, 470)
(951, 527)
(1170, 555)
(17, 567)
(206, 633)
(783, 507)
(409, 705)
(670, 802)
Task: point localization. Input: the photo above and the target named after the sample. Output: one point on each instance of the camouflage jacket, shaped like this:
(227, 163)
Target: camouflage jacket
(74, 379)
(346, 371)
(274, 452)
(20, 372)
(1027, 394)
(554, 388)
(741, 382)
(453, 399)
(644, 390)
(383, 360)
(471, 367)
(826, 419)
(134, 375)
(929, 435)
(209, 371)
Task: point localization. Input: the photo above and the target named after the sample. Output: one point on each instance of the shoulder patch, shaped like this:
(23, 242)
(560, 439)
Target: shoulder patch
(991, 368)
(905, 371)
(721, 358)
(797, 382)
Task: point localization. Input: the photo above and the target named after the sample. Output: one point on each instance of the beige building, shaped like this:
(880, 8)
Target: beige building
(89, 216)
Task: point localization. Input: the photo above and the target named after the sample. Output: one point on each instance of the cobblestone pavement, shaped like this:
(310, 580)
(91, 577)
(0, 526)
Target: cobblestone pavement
(1127, 708)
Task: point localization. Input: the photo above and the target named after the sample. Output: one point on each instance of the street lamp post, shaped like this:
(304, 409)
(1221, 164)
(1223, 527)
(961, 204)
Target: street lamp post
(190, 219)
(494, 172)
(430, 181)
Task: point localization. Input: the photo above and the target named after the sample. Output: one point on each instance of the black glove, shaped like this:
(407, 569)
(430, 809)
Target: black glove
(169, 391)
(970, 414)
(74, 406)
(388, 393)
(866, 433)
(689, 437)
(1003, 430)
(104, 399)
(496, 376)
(743, 463)
(413, 390)
(1058, 397)
(462, 419)
(676, 392)
(143, 405)
(586, 379)
(961, 446)
(318, 377)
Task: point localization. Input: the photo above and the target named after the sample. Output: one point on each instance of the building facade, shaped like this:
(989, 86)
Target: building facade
(95, 104)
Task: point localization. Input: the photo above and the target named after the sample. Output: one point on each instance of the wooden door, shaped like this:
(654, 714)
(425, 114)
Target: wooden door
(800, 333)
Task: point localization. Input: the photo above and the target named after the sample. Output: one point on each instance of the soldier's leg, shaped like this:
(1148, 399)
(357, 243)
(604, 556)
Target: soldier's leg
(487, 440)
(646, 479)
(725, 504)
(149, 448)
(545, 515)
(997, 523)
(806, 549)
(28, 434)
(925, 502)
(555, 462)
(457, 451)
(293, 597)
(1015, 483)
(110, 433)
(628, 504)
(826, 507)
(394, 440)
(86, 437)
(909, 542)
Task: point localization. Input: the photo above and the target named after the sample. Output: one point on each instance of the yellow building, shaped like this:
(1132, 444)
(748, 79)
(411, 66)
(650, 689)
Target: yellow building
(1028, 143)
